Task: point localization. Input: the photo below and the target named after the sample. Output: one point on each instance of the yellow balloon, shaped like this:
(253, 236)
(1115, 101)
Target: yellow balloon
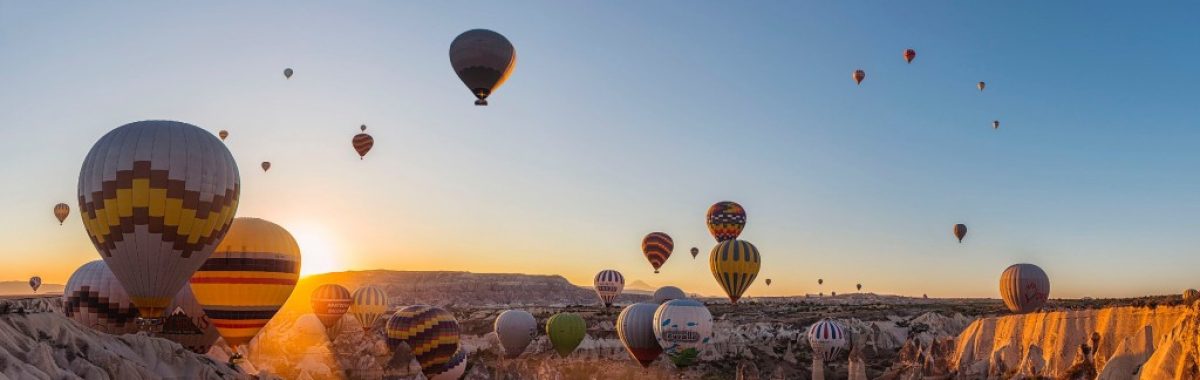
(735, 264)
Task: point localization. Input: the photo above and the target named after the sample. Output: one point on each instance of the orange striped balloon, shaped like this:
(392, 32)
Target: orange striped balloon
(657, 247)
(61, 211)
(363, 142)
(330, 302)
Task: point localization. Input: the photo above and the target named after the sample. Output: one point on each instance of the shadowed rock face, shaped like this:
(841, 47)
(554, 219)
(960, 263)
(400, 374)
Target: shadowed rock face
(38, 342)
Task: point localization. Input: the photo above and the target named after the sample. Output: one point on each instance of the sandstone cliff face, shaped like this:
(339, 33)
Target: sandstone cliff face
(1117, 343)
(38, 342)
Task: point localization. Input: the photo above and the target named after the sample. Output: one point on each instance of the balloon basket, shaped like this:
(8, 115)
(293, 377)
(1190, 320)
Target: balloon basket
(150, 326)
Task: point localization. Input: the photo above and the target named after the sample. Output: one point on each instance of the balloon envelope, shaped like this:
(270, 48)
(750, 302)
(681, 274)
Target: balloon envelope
(287, 73)
(909, 54)
(828, 339)
(368, 304)
(61, 211)
(858, 76)
(483, 60)
(635, 328)
(515, 329)
(609, 284)
(247, 279)
(156, 198)
(960, 231)
(725, 220)
(668, 293)
(980, 86)
(566, 331)
(683, 329)
(362, 143)
(94, 298)
(735, 264)
(35, 282)
(453, 369)
(330, 302)
(1024, 287)
(431, 333)
(695, 252)
(768, 281)
(657, 247)
(223, 134)
(266, 165)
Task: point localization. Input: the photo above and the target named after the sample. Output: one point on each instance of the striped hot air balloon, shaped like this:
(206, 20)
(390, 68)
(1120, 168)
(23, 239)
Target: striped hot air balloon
(909, 54)
(725, 220)
(609, 284)
(516, 329)
(566, 331)
(188, 325)
(858, 76)
(1024, 288)
(668, 293)
(61, 211)
(363, 142)
(735, 264)
(453, 369)
(683, 328)
(657, 247)
(828, 339)
(94, 298)
(247, 279)
(635, 327)
(431, 333)
(330, 302)
(369, 303)
(156, 198)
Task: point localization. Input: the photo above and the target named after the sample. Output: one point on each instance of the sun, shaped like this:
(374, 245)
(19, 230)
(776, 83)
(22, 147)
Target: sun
(317, 253)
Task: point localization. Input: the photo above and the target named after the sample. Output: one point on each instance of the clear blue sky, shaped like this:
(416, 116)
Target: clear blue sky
(629, 117)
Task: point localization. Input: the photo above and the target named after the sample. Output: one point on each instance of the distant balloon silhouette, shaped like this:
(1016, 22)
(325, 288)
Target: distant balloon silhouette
(61, 211)
(768, 281)
(483, 60)
(981, 85)
(223, 134)
(287, 73)
(909, 54)
(266, 165)
(995, 124)
(35, 282)
(820, 281)
(858, 76)
(859, 287)
(960, 231)
(695, 252)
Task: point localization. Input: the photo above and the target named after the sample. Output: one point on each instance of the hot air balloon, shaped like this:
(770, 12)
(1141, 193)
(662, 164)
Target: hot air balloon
(188, 325)
(820, 281)
(362, 142)
(657, 247)
(516, 329)
(668, 293)
(247, 279)
(980, 86)
(266, 165)
(609, 284)
(683, 328)
(287, 73)
(859, 286)
(833, 294)
(995, 124)
(735, 264)
(768, 281)
(566, 331)
(1024, 288)
(1190, 296)
(960, 231)
(858, 76)
(368, 304)
(453, 369)
(223, 134)
(726, 220)
(35, 282)
(635, 327)
(431, 333)
(483, 60)
(61, 211)
(695, 252)
(909, 54)
(94, 298)
(165, 182)
(330, 302)
(828, 339)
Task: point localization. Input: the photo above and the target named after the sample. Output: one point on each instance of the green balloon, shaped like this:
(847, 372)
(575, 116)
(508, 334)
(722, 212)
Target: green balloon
(566, 331)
